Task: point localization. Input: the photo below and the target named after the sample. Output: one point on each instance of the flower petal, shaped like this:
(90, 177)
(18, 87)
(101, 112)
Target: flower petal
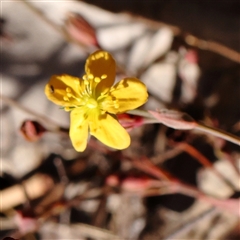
(55, 90)
(79, 129)
(126, 95)
(101, 67)
(109, 131)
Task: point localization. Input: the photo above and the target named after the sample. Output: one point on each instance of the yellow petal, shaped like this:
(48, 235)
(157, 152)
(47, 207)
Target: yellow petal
(79, 129)
(109, 131)
(101, 68)
(56, 89)
(126, 95)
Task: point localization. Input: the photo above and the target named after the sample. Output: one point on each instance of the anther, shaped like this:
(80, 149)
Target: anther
(65, 98)
(104, 76)
(85, 77)
(90, 76)
(97, 79)
(115, 104)
(68, 90)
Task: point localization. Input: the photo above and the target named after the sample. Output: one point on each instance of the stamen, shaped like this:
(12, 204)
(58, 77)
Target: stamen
(85, 77)
(70, 95)
(97, 79)
(90, 76)
(104, 76)
(65, 98)
(115, 104)
(68, 90)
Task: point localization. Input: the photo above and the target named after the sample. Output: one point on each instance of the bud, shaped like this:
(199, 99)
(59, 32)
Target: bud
(132, 183)
(25, 223)
(80, 30)
(113, 180)
(32, 130)
(130, 121)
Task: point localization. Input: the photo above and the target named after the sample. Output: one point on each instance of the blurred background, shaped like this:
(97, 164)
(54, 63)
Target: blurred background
(187, 54)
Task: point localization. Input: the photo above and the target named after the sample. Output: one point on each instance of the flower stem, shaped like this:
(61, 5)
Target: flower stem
(218, 133)
(199, 126)
(141, 113)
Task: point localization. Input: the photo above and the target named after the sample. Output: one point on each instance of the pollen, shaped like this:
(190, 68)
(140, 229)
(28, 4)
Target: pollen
(68, 90)
(115, 104)
(104, 76)
(97, 79)
(84, 77)
(90, 76)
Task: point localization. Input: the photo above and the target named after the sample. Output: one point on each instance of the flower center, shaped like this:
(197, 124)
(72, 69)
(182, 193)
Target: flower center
(91, 103)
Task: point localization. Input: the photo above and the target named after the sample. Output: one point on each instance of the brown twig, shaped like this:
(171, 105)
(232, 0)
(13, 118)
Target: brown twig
(182, 121)
(213, 47)
(55, 27)
(52, 125)
(218, 133)
(187, 227)
(191, 39)
(204, 161)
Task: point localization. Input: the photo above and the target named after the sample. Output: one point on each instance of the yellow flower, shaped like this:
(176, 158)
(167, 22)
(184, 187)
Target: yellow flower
(93, 101)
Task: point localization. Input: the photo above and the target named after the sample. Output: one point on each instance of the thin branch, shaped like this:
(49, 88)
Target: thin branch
(187, 227)
(55, 27)
(204, 161)
(191, 39)
(214, 47)
(218, 133)
(54, 127)
(182, 121)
